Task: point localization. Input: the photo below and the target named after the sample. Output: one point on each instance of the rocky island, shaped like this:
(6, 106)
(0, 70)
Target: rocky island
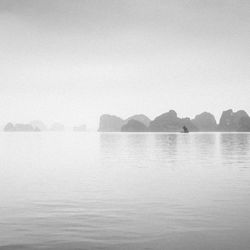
(170, 122)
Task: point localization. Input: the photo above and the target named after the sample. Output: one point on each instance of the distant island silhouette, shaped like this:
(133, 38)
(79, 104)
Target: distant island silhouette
(229, 121)
(10, 127)
(33, 126)
(57, 127)
(80, 128)
(169, 122)
(40, 126)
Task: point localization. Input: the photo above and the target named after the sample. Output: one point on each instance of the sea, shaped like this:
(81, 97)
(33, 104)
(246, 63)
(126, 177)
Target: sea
(166, 191)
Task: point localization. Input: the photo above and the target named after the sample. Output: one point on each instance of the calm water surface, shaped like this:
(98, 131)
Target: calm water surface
(124, 191)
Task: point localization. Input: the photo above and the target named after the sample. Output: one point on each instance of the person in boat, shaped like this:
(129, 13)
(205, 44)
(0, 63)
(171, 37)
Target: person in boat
(185, 129)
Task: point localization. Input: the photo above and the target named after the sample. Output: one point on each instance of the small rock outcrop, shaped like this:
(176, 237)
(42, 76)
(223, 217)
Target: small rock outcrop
(205, 122)
(134, 126)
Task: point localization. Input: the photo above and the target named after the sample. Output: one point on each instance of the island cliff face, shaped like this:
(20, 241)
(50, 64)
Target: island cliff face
(134, 126)
(244, 124)
(140, 118)
(205, 122)
(233, 121)
(111, 123)
(170, 122)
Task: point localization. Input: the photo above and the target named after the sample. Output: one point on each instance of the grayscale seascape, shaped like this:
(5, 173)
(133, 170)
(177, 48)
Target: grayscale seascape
(124, 125)
(124, 191)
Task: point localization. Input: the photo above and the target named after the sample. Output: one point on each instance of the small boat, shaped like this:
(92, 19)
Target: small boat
(185, 129)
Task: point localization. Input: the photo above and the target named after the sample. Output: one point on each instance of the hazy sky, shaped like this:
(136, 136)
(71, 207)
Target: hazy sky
(70, 61)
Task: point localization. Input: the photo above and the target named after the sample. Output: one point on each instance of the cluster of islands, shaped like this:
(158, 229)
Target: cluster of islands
(37, 126)
(230, 121)
(169, 122)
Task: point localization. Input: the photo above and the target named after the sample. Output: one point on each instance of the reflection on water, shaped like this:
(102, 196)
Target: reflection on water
(124, 191)
(235, 149)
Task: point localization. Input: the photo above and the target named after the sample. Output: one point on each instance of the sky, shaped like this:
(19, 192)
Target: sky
(71, 61)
